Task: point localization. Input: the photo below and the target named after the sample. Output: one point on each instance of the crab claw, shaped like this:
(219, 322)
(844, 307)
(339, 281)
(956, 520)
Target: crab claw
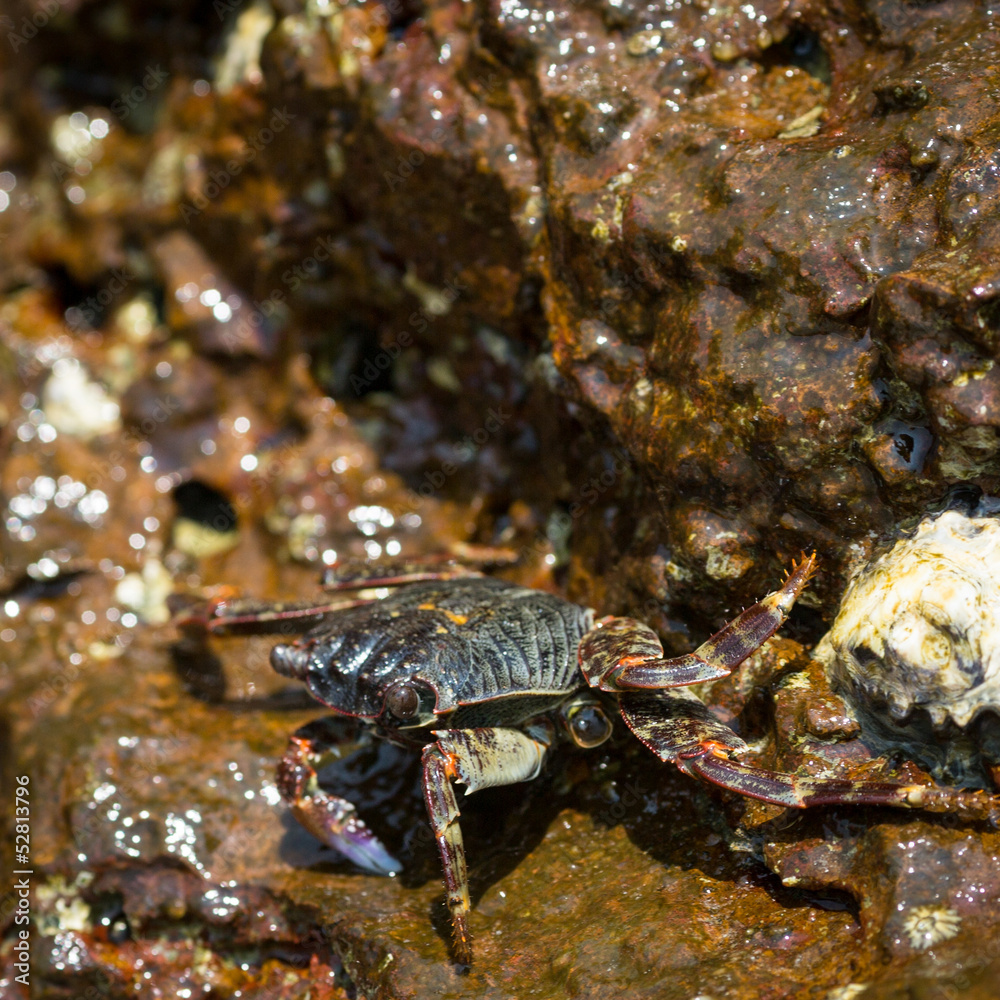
(331, 819)
(335, 822)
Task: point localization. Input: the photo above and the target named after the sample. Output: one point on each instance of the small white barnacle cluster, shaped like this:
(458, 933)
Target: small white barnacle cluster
(849, 992)
(927, 926)
(915, 647)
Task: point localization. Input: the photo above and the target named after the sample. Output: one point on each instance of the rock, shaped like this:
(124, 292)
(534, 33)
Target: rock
(655, 298)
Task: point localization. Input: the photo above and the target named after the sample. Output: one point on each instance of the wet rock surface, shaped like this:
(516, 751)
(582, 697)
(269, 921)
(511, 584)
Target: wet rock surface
(653, 296)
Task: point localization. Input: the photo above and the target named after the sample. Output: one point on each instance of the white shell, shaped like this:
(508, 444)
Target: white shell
(927, 926)
(920, 626)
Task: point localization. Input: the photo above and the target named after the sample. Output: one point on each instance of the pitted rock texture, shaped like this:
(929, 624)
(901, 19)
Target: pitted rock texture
(655, 295)
(756, 245)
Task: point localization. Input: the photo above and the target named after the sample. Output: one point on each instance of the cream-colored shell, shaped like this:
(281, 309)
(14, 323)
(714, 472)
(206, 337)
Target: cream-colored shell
(920, 626)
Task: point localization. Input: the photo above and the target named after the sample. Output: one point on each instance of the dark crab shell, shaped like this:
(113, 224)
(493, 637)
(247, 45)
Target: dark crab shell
(469, 640)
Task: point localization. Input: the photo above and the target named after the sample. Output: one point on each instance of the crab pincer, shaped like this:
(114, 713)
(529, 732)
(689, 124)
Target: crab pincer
(331, 819)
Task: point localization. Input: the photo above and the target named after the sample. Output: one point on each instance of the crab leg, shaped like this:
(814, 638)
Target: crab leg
(621, 653)
(680, 730)
(367, 577)
(480, 758)
(330, 819)
(459, 563)
(246, 615)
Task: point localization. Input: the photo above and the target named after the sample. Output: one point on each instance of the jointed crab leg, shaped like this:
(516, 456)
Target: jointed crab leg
(682, 731)
(625, 656)
(479, 758)
(362, 576)
(246, 615)
(621, 653)
(713, 765)
(357, 574)
(442, 808)
(330, 819)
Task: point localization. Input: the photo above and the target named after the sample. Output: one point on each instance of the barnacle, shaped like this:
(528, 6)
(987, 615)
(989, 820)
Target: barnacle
(927, 926)
(916, 644)
(848, 992)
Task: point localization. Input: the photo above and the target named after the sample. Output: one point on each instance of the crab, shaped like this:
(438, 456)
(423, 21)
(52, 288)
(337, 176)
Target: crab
(484, 678)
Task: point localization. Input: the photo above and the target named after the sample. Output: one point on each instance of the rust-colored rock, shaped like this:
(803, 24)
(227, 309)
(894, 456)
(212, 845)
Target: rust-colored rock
(657, 297)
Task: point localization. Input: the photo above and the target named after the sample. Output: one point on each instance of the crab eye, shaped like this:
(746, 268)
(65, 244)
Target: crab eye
(588, 726)
(403, 700)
